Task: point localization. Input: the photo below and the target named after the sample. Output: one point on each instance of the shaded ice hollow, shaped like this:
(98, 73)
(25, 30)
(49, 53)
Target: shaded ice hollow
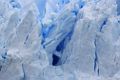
(60, 40)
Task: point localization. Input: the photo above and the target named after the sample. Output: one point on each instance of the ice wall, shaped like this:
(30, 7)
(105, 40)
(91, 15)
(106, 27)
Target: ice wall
(59, 40)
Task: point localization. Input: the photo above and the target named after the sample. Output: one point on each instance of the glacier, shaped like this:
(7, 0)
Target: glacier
(60, 40)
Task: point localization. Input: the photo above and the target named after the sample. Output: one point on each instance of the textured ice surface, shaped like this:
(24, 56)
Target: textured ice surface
(59, 39)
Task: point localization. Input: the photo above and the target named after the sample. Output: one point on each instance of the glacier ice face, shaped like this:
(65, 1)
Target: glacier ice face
(95, 52)
(59, 40)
